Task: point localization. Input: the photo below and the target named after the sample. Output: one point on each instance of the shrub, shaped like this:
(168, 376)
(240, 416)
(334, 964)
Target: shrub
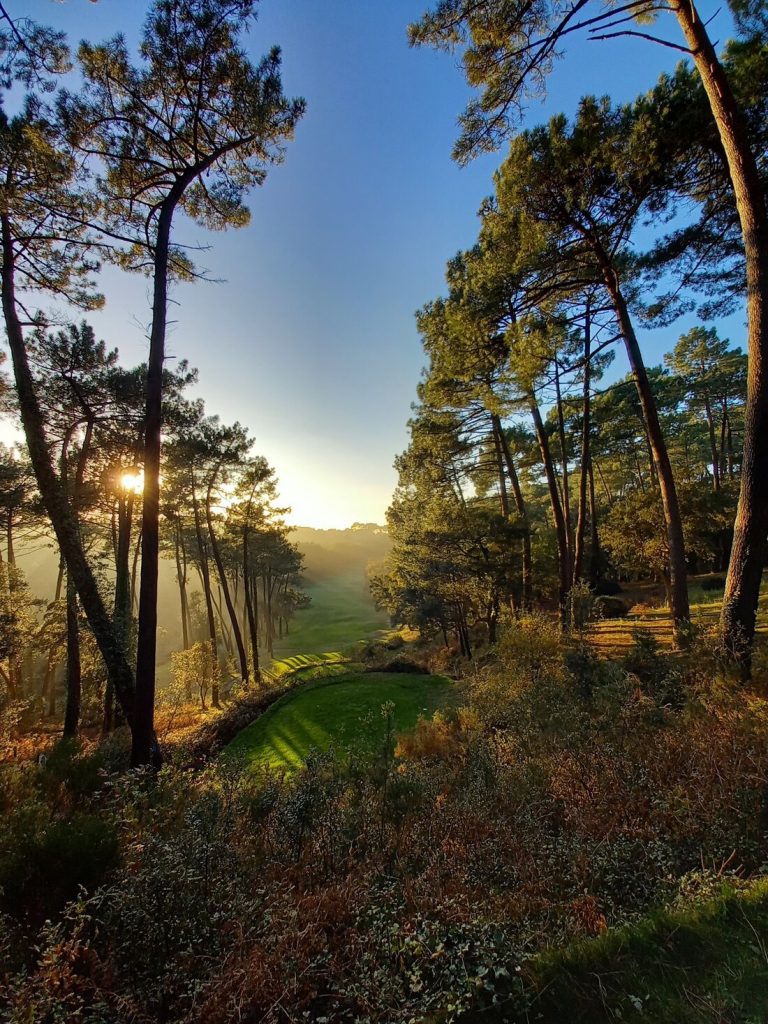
(713, 583)
(44, 868)
(608, 588)
(612, 607)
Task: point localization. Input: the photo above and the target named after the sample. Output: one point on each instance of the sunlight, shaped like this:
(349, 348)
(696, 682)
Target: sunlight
(132, 480)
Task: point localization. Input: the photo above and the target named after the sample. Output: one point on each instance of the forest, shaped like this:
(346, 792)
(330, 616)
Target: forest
(504, 758)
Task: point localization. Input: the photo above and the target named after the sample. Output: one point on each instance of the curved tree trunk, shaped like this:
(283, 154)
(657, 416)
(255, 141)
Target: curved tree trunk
(142, 751)
(678, 584)
(742, 587)
(54, 498)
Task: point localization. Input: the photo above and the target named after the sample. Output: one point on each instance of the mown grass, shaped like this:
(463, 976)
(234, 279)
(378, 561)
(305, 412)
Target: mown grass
(308, 666)
(614, 636)
(341, 615)
(706, 963)
(343, 712)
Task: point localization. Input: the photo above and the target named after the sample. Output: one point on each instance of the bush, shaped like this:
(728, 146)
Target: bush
(45, 868)
(404, 883)
(608, 588)
(612, 607)
(659, 678)
(401, 664)
(529, 652)
(713, 583)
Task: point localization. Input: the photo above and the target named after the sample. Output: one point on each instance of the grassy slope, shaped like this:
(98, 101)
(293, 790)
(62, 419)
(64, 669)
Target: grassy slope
(341, 614)
(338, 712)
(708, 963)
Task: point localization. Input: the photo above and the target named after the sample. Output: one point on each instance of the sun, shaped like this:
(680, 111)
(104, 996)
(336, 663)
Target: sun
(132, 480)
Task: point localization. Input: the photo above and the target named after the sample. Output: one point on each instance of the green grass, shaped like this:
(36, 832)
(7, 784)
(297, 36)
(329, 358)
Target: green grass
(341, 614)
(707, 964)
(341, 712)
(309, 666)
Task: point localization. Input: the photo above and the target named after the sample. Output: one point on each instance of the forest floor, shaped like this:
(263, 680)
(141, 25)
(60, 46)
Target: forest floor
(343, 712)
(648, 611)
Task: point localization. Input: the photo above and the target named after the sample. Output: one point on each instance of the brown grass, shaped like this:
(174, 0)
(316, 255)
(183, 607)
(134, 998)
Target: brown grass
(612, 637)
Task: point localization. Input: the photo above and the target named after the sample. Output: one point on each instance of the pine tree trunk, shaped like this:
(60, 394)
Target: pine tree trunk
(557, 512)
(225, 588)
(564, 463)
(581, 523)
(49, 686)
(252, 623)
(122, 604)
(503, 496)
(55, 500)
(74, 672)
(205, 579)
(270, 619)
(595, 556)
(712, 443)
(742, 588)
(678, 584)
(146, 645)
(523, 514)
(226, 632)
(181, 579)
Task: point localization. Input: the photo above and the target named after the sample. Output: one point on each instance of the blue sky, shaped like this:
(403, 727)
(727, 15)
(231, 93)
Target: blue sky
(309, 339)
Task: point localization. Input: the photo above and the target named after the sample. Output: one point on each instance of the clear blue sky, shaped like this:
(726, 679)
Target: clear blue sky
(309, 339)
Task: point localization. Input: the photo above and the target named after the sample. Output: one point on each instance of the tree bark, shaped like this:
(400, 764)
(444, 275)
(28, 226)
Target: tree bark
(564, 463)
(581, 522)
(595, 556)
(205, 579)
(522, 512)
(74, 671)
(503, 496)
(146, 645)
(231, 610)
(252, 623)
(55, 500)
(557, 511)
(742, 587)
(49, 686)
(678, 585)
(181, 578)
(712, 442)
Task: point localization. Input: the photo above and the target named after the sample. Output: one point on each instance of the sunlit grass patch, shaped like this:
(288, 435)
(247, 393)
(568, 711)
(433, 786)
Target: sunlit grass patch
(308, 666)
(341, 615)
(342, 713)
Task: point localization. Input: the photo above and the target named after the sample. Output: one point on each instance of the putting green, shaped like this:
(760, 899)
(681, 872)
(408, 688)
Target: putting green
(341, 713)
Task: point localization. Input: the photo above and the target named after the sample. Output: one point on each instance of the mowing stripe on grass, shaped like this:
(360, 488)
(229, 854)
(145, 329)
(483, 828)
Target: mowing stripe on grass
(343, 712)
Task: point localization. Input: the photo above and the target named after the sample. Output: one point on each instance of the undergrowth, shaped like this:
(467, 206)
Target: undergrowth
(571, 817)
